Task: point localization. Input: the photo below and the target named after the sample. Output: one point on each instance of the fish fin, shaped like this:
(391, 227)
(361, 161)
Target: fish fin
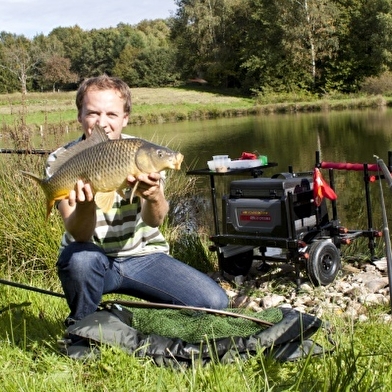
(49, 206)
(97, 136)
(133, 192)
(32, 176)
(105, 200)
(121, 193)
(49, 202)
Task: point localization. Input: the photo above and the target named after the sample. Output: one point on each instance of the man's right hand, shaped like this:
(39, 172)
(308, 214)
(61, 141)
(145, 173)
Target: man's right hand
(82, 194)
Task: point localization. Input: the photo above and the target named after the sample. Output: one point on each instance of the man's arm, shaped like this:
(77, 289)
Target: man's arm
(79, 212)
(154, 203)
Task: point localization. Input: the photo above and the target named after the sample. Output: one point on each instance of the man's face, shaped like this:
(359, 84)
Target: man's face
(104, 108)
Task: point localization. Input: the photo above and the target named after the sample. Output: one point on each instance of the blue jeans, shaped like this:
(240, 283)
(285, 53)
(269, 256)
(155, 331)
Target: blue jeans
(86, 273)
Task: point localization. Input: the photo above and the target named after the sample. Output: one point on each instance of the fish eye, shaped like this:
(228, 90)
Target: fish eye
(160, 153)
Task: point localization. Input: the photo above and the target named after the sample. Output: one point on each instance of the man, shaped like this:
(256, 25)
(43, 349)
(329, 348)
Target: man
(121, 251)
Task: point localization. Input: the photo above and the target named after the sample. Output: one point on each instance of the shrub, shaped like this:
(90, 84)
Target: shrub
(378, 85)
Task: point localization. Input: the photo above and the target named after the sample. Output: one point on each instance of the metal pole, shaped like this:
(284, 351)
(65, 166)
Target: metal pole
(387, 239)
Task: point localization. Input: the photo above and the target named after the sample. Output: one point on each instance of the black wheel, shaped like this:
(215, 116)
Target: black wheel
(238, 264)
(324, 263)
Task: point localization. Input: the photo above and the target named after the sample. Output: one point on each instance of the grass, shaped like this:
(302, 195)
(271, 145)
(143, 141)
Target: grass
(174, 104)
(30, 360)
(31, 323)
(149, 106)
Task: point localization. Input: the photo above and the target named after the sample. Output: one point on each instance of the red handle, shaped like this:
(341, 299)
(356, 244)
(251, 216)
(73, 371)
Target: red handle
(348, 166)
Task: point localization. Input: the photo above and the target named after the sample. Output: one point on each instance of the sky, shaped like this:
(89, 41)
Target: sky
(32, 17)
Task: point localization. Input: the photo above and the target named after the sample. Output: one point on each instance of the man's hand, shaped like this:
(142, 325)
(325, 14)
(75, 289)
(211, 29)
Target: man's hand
(79, 212)
(81, 194)
(148, 187)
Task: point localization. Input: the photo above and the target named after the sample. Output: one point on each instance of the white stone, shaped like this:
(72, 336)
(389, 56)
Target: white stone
(272, 301)
(376, 284)
(372, 299)
(362, 318)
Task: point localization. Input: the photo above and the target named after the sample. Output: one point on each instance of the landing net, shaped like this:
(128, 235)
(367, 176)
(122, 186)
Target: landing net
(194, 327)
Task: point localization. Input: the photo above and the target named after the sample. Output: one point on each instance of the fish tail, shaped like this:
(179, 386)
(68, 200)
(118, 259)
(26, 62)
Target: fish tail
(38, 180)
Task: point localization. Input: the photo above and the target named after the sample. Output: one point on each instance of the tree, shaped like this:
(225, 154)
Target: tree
(148, 58)
(20, 58)
(157, 32)
(201, 30)
(99, 52)
(124, 65)
(365, 44)
(56, 70)
(310, 33)
(72, 40)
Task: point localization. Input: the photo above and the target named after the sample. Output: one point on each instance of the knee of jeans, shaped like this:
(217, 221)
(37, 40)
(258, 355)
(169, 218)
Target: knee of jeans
(217, 300)
(221, 301)
(81, 264)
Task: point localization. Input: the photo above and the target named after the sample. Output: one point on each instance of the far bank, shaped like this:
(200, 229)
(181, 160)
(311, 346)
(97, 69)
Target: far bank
(168, 105)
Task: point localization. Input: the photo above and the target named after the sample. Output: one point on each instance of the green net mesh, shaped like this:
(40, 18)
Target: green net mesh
(194, 327)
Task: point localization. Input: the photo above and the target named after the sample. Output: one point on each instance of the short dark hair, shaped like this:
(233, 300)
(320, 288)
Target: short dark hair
(104, 82)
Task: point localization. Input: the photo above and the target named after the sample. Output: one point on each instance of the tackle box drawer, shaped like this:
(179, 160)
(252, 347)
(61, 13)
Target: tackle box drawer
(271, 188)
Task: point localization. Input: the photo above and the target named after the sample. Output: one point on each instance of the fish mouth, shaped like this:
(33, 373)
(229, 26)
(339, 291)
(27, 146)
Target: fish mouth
(178, 158)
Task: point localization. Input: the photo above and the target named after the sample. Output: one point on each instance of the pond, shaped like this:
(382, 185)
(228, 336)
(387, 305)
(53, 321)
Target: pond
(292, 140)
(289, 140)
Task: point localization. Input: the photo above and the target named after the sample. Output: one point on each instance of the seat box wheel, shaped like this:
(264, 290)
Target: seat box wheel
(323, 263)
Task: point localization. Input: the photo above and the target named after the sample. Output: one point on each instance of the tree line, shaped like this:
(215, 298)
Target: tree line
(317, 46)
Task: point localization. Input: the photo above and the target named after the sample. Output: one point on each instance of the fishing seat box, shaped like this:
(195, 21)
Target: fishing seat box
(262, 206)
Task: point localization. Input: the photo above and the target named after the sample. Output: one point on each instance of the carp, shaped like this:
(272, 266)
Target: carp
(104, 164)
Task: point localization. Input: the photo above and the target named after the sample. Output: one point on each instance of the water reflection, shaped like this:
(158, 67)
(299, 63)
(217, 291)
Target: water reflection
(290, 140)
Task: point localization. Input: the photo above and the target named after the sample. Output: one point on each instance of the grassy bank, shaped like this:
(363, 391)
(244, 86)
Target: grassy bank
(174, 104)
(31, 323)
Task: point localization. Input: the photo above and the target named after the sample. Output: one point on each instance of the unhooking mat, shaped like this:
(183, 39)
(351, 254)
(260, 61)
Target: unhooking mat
(173, 337)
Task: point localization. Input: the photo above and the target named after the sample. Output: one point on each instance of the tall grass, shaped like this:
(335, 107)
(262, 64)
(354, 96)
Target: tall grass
(28, 243)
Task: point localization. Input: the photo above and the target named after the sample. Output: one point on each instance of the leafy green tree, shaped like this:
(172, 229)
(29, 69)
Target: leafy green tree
(72, 40)
(148, 59)
(131, 36)
(153, 67)
(156, 32)
(264, 58)
(310, 33)
(365, 44)
(99, 52)
(200, 31)
(123, 67)
(288, 42)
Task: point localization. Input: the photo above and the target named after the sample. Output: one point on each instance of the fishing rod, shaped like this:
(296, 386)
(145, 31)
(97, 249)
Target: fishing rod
(24, 151)
(387, 239)
(31, 288)
(150, 305)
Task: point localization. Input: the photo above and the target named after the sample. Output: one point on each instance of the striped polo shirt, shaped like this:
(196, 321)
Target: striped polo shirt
(120, 232)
